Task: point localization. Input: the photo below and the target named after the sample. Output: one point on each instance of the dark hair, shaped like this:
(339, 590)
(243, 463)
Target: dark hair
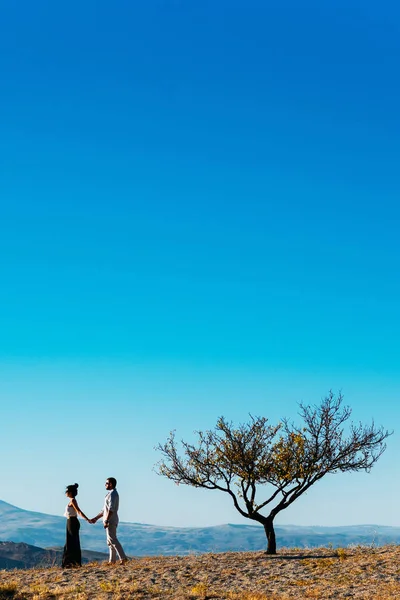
(72, 489)
(113, 481)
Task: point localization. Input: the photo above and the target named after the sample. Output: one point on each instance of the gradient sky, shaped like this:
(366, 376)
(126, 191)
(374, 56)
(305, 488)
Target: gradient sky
(199, 217)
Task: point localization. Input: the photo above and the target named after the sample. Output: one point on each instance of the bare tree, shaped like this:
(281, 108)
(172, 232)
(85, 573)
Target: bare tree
(285, 458)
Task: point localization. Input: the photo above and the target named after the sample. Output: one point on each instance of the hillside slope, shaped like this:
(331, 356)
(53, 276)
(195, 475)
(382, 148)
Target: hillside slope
(24, 556)
(359, 574)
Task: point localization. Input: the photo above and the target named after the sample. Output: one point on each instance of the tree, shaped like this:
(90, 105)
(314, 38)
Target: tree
(285, 458)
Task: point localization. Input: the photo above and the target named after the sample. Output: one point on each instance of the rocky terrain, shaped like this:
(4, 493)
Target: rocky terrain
(357, 573)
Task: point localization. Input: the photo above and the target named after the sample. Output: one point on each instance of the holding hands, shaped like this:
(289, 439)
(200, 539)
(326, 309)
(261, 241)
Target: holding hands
(96, 518)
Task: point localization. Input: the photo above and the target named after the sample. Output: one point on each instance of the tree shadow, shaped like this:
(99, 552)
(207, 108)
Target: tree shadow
(299, 556)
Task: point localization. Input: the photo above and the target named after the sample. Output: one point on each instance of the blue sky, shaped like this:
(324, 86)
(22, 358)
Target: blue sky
(199, 217)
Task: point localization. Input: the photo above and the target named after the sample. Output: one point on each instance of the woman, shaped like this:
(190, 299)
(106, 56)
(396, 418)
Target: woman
(72, 549)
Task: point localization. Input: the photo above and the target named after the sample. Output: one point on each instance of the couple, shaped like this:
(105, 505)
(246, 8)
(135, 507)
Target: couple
(72, 549)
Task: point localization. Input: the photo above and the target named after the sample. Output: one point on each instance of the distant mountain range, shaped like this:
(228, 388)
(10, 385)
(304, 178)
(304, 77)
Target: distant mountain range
(48, 531)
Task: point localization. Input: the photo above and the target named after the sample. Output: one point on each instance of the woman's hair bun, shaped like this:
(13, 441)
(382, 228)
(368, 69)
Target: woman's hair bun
(76, 485)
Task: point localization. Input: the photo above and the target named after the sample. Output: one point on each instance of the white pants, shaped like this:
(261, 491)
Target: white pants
(114, 544)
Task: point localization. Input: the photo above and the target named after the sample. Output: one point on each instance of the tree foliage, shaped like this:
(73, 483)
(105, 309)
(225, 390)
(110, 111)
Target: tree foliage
(267, 467)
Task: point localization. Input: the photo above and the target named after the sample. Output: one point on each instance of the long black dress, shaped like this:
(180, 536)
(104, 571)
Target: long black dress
(72, 556)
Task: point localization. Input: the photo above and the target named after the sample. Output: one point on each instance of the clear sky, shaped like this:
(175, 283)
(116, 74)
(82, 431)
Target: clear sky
(199, 217)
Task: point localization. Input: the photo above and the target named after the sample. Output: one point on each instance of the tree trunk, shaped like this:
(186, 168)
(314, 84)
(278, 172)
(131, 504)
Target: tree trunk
(270, 533)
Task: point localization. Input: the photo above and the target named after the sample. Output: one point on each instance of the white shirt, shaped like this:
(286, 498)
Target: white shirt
(111, 502)
(70, 511)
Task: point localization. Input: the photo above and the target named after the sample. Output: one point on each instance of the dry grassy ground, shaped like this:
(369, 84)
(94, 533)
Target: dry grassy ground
(293, 574)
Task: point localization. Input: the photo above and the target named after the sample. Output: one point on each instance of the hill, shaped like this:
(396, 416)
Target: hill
(24, 556)
(48, 531)
(324, 574)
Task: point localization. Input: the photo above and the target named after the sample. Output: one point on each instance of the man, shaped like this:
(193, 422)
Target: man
(110, 521)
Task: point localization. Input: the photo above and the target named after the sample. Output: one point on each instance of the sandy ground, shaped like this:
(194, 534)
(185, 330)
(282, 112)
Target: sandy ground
(314, 573)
